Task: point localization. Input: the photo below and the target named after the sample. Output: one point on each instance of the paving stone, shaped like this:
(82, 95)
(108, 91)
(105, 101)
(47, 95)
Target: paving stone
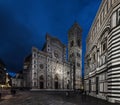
(52, 98)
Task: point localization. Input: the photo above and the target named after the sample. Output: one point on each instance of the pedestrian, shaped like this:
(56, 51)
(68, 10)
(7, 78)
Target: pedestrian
(0, 96)
(11, 91)
(67, 94)
(85, 95)
(82, 95)
(14, 92)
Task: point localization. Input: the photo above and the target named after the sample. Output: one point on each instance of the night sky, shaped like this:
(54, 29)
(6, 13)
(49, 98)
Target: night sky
(24, 23)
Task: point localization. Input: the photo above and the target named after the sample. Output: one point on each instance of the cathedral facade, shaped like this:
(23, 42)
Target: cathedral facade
(49, 68)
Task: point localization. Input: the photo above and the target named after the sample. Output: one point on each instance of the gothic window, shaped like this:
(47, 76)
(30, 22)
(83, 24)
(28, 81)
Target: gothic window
(118, 17)
(34, 55)
(68, 72)
(34, 66)
(72, 43)
(78, 64)
(78, 42)
(78, 54)
(34, 83)
(34, 62)
(41, 66)
(104, 46)
(35, 74)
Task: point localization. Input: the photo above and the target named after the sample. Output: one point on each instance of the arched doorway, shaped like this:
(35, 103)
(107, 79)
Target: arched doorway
(41, 82)
(56, 84)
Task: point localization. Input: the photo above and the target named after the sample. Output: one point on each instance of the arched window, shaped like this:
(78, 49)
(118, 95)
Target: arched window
(78, 42)
(104, 46)
(72, 43)
(35, 74)
(118, 17)
(41, 66)
(78, 54)
(78, 64)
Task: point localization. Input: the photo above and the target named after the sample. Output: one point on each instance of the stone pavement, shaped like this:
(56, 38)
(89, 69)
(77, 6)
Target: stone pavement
(6, 97)
(51, 98)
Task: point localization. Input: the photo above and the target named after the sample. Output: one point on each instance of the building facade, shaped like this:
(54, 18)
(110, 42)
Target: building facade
(49, 69)
(102, 59)
(5, 79)
(17, 80)
(2, 73)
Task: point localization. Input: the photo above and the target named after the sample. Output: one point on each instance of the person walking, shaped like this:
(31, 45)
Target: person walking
(0, 96)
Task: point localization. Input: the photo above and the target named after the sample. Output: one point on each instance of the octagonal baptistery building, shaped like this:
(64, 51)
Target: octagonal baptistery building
(102, 59)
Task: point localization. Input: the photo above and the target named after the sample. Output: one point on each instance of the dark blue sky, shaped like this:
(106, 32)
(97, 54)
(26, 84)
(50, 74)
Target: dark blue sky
(24, 23)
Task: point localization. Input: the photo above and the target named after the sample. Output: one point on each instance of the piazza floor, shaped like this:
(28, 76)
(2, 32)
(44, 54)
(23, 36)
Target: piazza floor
(50, 98)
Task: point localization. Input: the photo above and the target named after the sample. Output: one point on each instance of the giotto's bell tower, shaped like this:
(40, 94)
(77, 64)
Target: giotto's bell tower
(75, 54)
